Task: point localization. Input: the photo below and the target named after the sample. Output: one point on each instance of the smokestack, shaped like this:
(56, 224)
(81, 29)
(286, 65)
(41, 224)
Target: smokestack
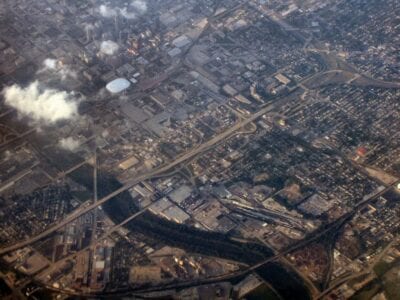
(120, 37)
(88, 34)
(116, 24)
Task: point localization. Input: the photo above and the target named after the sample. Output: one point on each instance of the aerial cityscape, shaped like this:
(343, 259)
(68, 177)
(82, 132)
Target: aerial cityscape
(200, 149)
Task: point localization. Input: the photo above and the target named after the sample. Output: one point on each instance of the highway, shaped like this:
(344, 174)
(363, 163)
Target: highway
(53, 266)
(85, 209)
(366, 271)
(171, 166)
(10, 182)
(17, 138)
(336, 225)
(129, 184)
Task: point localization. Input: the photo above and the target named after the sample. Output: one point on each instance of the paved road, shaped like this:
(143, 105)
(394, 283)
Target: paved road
(84, 210)
(335, 225)
(366, 271)
(53, 266)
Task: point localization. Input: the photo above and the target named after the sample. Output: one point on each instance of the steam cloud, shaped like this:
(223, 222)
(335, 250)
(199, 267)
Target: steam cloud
(127, 14)
(89, 26)
(109, 47)
(69, 144)
(42, 105)
(54, 65)
(140, 6)
(50, 64)
(107, 12)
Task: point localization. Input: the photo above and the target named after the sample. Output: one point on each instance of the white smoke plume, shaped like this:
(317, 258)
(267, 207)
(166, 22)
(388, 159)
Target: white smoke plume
(50, 63)
(89, 26)
(140, 6)
(107, 12)
(127, 14)
(69, 144)
(42, 105)
(53, 65)
(108, 47)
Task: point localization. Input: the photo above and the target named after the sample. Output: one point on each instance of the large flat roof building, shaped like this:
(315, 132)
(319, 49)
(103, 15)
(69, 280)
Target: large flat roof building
(118, 85)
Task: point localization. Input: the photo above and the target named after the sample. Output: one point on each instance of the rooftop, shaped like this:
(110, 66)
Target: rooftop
(118, 85)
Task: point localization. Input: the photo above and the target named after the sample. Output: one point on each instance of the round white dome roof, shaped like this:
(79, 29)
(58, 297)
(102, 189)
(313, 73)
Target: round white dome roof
(118, 85)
